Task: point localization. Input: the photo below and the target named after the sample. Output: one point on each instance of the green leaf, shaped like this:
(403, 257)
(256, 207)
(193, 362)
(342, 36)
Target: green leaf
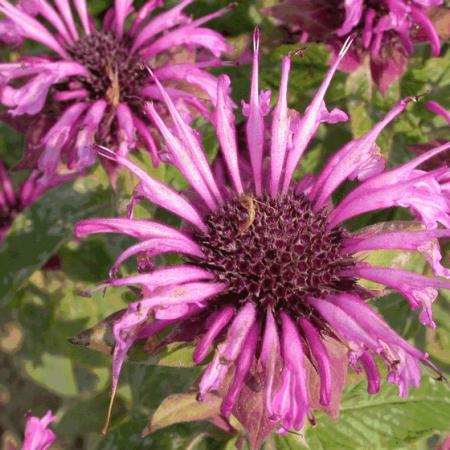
(178, 354)
(55, 373)
(358, 88)
(183, 408)
(290, 441)
(184, 436)
(39, 231)
(438, 339)
(384, 421)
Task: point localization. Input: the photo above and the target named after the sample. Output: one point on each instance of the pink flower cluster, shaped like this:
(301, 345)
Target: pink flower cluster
(14, 201)
(91, 86)
(384, 30)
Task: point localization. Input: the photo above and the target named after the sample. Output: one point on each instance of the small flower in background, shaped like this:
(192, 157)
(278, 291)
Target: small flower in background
(385, 30)
(37, 435)
(270, 272)
(12, 201)
(445, 445)
(91, 88)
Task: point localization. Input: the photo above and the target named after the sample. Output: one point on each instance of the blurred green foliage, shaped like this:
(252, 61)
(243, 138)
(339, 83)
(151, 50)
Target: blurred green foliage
(41, 309)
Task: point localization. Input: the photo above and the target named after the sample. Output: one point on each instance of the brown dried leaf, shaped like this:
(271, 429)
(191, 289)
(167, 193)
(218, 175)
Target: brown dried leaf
(339, 365)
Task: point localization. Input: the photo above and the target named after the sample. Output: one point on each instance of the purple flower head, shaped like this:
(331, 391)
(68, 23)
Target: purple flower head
(12, 201)
(37, 434)
(386, 30)
(270, 279)
(94, 80)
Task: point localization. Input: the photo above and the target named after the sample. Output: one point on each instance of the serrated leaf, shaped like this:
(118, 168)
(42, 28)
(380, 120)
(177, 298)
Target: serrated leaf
(384, 421)
(184, 436)
(183, 408)
(250, 411)
(39, 231)
(290, 442)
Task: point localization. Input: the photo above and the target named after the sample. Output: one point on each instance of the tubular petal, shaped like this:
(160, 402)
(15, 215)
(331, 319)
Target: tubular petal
(359, 158)
(419, 290)
(280, 130)
(311, 120)
(373, 375)
(187, 136)
(243, 366)
(237, 333)
(226, 132)
(255, 123)
(157, 246)
(320, 355)
(184, 161)
(159, 193)
(270, 353)
(221, 320)
(31, 28)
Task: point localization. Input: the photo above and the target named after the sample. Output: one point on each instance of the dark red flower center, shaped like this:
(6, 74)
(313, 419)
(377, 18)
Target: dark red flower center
(275, 253)
(115, 73)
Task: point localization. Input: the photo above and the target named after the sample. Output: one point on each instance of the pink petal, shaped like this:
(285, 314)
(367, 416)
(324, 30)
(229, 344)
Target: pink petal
(270, 353)
(310, 121)
(221, 320)
(31, 28)
(157, 246)
(183, 160)
(280, 130)
(162, 22)
(121, 9)
(255, 123)
(37, 436)
(224, 121)
(159, 193)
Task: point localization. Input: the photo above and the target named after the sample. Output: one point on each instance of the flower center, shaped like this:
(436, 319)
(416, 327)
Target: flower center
(115, 73)
(275, 253)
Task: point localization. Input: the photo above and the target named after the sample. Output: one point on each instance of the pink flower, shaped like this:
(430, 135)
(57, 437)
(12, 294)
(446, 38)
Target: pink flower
(269, 282)
(37, 434)
(94, 81)
(13, 201)
(385, 30)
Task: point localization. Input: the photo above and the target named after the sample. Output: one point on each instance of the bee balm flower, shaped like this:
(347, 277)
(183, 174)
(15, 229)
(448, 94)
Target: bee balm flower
(37, 434)
(385, 30)
(271, 272)
(94, 82)
(12, 201)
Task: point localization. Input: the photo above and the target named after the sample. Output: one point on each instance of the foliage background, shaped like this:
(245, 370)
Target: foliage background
(41, 309)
